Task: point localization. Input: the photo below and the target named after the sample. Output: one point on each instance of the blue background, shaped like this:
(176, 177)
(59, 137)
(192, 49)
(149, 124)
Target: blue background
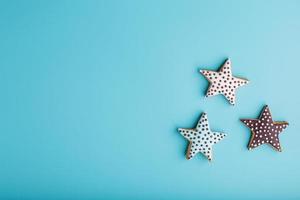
(92, 93)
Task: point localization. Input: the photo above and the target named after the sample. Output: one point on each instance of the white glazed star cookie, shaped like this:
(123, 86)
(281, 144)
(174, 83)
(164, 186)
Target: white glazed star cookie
(223, 82)
(201, 138)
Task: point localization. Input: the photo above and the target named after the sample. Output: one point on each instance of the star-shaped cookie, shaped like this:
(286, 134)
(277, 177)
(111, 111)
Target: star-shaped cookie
(201, 138)
(264, 130)
(223, 82)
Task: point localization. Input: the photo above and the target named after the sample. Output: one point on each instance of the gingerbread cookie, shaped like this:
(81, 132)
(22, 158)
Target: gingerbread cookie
(265, 130)
(223, 82)
(201, 138)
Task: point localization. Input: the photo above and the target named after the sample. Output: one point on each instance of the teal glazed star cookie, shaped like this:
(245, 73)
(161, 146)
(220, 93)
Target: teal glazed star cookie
(201, 138)
(223, 82)
(264, 130)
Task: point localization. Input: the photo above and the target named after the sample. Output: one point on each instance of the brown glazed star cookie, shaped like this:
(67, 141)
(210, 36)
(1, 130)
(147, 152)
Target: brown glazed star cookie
(264, 130)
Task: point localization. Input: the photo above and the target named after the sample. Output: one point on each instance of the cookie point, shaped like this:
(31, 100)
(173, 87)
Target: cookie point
(243, 121)
(188, 157)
